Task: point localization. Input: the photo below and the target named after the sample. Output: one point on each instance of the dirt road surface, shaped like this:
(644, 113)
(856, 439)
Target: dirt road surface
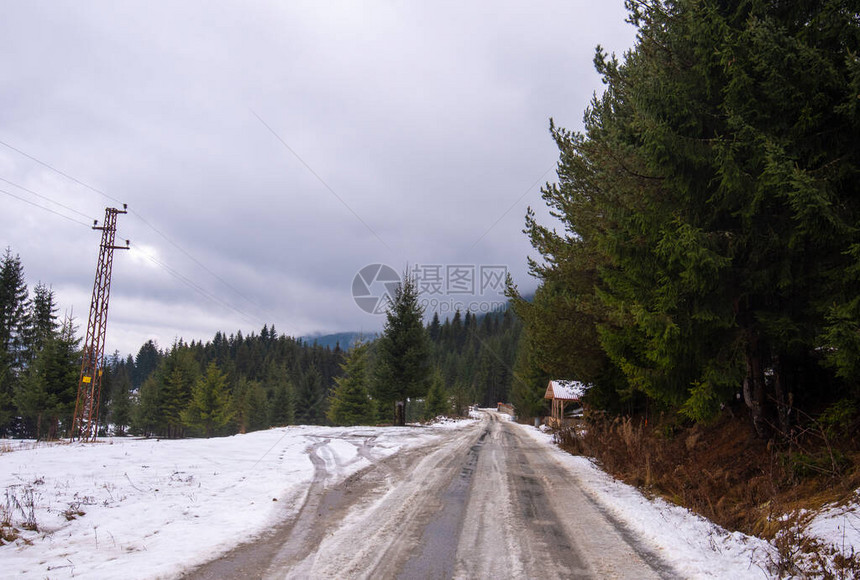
(486, 502)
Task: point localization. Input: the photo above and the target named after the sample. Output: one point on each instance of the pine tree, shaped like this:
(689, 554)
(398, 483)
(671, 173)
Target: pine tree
(147, 360)
(458, 336)
(41, 322)
(32, 401)
(120, 408)
(462, 397)
(242, 403)
(13, 318)
(209, 409)
(402, 352)
(146, 414)
(310, 398)
(258, 411)
(530, 381)
(437, 402)
(282, 408)
(250, 412)
(45, 396)
(350, 403)
(435, 328)
(178, 373)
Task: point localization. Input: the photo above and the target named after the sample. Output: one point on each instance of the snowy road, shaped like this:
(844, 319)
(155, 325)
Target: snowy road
(487, 502)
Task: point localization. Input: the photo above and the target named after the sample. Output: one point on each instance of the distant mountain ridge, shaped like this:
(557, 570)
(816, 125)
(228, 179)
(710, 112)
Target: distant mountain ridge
(344, 339)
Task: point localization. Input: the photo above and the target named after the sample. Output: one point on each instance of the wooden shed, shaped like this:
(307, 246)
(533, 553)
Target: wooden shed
(561, 393)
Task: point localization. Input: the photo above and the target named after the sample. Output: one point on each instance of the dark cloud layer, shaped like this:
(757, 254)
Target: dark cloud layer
(269, 151)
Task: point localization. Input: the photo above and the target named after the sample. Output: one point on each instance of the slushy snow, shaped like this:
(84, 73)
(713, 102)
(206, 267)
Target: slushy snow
(152, 508)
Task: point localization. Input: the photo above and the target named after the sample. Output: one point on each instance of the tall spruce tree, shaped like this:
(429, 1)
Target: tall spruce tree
(41, 322)
(13, 320)
(402, 366)
(210, 408)
(120, 406)
(178, 374)
(45, 395)
(282, 406)
(310, 398)
(350, 403)
(145, 363)
(242, 394)
(437, 402)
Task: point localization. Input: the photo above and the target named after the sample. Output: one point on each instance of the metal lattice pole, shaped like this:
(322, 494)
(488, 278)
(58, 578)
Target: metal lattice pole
(86, 417)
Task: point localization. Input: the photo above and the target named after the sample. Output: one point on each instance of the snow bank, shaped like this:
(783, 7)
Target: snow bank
(693, 545)
(837, 528)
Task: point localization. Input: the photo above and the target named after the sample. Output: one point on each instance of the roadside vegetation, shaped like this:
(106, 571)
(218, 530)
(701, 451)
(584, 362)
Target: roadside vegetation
(725, 472)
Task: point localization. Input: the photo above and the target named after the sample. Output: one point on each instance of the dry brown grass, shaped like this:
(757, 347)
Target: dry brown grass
(8, 532)
(727, 474)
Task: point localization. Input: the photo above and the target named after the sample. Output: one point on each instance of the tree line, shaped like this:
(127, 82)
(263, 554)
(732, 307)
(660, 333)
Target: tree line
(237, 383)
(708, 252)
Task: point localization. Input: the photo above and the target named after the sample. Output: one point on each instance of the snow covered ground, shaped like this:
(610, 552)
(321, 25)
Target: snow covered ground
(149, 509)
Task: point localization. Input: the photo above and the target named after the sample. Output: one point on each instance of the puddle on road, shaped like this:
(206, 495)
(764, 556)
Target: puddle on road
(442, 534)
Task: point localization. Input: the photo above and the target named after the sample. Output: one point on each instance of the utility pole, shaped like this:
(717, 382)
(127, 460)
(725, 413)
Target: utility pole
(86, 418)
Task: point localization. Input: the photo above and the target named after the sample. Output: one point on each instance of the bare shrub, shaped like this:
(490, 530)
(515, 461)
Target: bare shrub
(8, 532)
(74, 511)
(735, 479)
(22, 499)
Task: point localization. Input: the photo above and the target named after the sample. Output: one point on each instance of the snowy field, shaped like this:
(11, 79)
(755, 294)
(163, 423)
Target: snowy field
(150, 509)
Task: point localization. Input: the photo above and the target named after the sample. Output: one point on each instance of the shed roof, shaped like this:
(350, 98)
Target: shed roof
(565, 390)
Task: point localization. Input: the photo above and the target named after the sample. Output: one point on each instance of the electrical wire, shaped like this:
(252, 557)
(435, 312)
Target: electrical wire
(320, 179)
(188, 282)
(192, 258)
(57, 171)
(197, 288)
(132, 212)
(46, 198)
(19, 198)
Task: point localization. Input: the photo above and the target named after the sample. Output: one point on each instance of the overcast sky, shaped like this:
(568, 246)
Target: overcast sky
(268, 151)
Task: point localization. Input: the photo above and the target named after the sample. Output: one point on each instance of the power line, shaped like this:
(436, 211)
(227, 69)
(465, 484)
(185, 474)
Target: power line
(43, 207)
(513, 205)
(196, 287)
(321, 180)
(192, 258)
(172, 272)
(55, 170)
(188, 282)
(46, 198)
(133, 212)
